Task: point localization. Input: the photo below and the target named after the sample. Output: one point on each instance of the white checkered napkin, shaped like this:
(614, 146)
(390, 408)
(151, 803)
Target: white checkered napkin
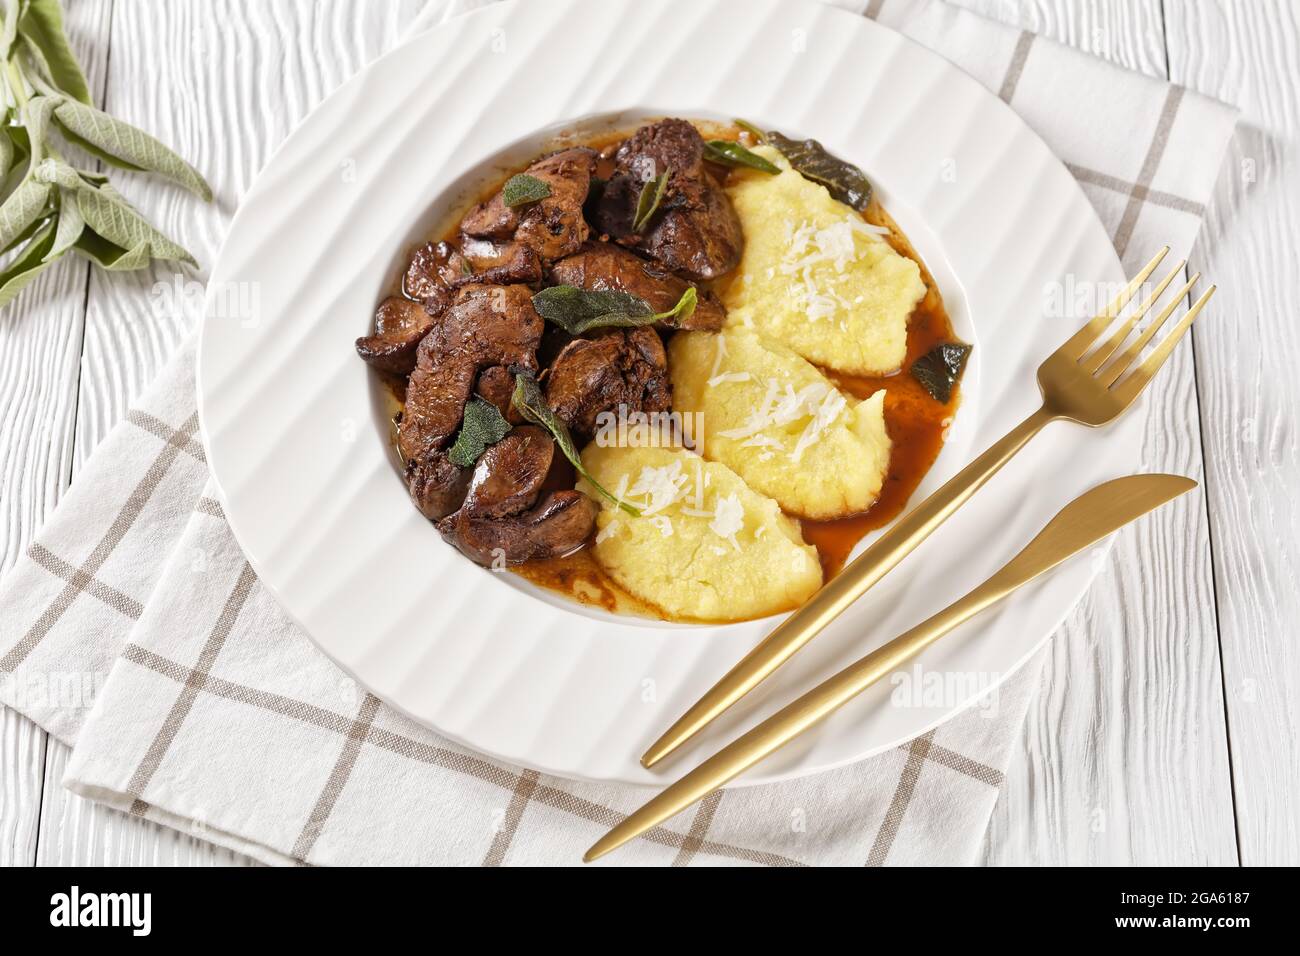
(234, 726)
(1146, 152)
(220, 717)
(67, 605)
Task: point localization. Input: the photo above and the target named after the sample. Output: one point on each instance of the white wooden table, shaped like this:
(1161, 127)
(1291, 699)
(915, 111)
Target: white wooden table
(1167, 724)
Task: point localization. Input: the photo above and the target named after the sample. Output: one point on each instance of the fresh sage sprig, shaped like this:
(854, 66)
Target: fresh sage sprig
(482, 425)
(581, 310)
(647, 203)
(530, 401)
(522, 188)
(47, 206)
(730, 153)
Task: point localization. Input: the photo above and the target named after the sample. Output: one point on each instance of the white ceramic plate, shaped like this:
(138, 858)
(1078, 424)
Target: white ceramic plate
(297, 441)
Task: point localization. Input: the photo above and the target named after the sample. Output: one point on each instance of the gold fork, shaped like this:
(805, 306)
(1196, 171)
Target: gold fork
(1082, 381)
(1092, 516)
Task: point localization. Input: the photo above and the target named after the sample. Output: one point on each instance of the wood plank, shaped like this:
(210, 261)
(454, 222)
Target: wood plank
(223, 84)
(1091, 784)
(1246, 354)
(40, 351)
(1124, 757)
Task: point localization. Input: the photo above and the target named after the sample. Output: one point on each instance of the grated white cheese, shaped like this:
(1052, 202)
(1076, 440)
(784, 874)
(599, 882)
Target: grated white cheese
(728, 519)
(811, 245)
(827, 412)
(760, 441)
(664, 524)
(659, 488)
(719, 356)
(780, 408)
(728, 377)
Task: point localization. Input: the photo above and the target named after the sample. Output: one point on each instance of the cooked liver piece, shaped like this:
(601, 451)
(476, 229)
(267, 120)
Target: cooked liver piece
(492, 325)
(485, 326)
(498, 523)
(551, 227)
(612, 368)
(603, 266)
(497, 263)
(561, 523)
(496, 384)
(509, 475)
(431, 271)
(695, 232)
(400, 325)
(437, 486)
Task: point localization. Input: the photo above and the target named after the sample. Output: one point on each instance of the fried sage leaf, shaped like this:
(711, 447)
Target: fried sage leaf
(581, 310)
(729, 153)
(939, 369)
(647, 203)
(759, 136)
(482, 425)
(530, 401)
(522, 189)
(843, 180)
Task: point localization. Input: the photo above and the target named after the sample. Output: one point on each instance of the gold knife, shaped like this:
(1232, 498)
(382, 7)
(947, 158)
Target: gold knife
(1084, 521)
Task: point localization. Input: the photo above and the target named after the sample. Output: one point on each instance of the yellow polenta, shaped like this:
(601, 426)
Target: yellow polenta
(779, 423)
(816, 277)
(705, 546)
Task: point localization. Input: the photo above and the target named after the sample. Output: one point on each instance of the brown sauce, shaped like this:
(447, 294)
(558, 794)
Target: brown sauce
(916, 423)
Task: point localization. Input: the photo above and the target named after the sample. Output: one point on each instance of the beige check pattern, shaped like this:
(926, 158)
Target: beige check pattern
(135, 629)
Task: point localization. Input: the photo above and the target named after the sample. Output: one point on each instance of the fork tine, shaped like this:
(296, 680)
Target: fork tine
(1129, 389)
(1098, 358)
(1111, 374)
(1079, 343)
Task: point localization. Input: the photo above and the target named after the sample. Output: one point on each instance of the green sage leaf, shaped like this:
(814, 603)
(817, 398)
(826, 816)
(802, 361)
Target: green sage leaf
(939, 369)
(647, 203)
(759, 136)
(8, 153)
(27, 233)
(24, 206)
(123, 145)
(42, 26)
(729, 153)
(13, 10)
(29, 264)
(530, 401)
(581, 310)
(482, 425)
(36, 117)
(109, 256)
(843, 180)
(522, 189)
(59, 173)
(113, 218)
(71, 225)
